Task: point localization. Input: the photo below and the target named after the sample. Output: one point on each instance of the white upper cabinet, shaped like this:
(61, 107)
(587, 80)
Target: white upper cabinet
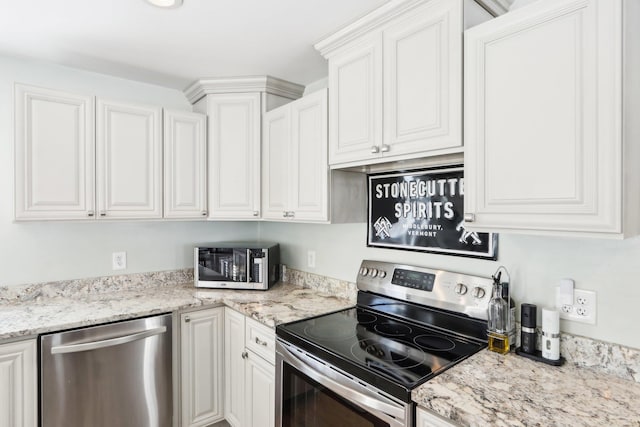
(54, 155)
(550, 96)
(395, 81)
(234, 156)
(234, 107)
(294, 161)
(276, 140)
(423, 80)
(355, 82)
(185, 165)
(128, 160)
(309, 164)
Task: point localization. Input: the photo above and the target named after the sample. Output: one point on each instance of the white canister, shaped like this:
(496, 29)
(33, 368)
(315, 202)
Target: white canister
(550, 334)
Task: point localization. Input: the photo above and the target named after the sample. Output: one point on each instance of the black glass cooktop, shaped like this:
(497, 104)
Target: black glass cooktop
(393, 354)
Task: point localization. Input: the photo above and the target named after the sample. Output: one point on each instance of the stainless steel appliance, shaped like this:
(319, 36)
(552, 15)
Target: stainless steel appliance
(237, 265)
(358, 366)
(119, 374)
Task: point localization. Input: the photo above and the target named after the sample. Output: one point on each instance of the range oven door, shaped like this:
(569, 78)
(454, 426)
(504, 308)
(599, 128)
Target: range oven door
(311, 393)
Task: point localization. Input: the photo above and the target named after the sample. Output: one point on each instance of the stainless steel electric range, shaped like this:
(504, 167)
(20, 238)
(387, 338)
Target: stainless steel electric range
(357, 367)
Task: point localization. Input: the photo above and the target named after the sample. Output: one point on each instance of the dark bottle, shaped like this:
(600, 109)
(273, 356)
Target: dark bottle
(511, 318)
(528, 324)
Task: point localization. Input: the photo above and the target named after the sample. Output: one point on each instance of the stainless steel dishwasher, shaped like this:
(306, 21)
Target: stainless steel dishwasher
(117, 374)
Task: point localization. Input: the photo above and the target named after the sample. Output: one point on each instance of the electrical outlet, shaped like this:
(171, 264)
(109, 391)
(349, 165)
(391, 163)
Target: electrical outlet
(583, 308)
(119, 260)
(311, 259)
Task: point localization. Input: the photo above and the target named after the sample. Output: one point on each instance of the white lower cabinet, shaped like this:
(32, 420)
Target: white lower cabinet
(201, 353)
(249, 372)
(426, 418)
(18, 384)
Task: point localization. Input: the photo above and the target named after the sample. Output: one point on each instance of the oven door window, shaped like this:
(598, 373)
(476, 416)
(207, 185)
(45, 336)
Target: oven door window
(306, 403)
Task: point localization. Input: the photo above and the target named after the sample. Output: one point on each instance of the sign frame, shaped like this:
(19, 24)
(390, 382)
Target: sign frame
(443, 234)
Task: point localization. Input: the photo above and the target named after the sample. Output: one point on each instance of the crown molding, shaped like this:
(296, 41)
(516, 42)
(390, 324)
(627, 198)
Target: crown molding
(272, 85)
(384, 14)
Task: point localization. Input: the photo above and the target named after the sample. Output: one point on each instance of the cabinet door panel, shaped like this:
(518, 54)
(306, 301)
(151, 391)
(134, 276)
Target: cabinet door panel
(54, 154)
(422, 79)
(355, 83)
(18, 384)
(234, 156)
(542, 149)
(201, 367)
(275, 163)
(260, 388)
(234, 339)
(129, 161)
(310, 174)
(185, 165)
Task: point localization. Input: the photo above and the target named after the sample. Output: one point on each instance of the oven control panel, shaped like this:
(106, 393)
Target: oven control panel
(457, 292)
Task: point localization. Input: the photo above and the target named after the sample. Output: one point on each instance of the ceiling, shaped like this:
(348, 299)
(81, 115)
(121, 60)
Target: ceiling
(174, 47)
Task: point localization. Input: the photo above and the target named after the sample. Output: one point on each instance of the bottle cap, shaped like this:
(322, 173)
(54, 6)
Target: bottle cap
(528, 317)
(550, 321)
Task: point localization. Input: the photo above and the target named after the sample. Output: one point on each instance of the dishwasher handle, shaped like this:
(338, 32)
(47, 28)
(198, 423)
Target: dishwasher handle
(94, 345)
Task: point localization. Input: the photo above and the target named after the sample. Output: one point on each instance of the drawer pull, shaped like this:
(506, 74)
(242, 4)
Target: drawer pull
(260, 342)
(245, 355)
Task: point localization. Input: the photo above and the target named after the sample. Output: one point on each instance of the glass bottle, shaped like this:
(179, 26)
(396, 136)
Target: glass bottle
(498, 319)
(511, 319)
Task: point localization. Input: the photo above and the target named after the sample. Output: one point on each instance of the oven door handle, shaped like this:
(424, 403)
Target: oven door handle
(371, 401)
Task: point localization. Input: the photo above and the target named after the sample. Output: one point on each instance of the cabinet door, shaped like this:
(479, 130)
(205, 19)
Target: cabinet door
(260, 392)
(276, 139)
(185, 165)
(425, 418)
(201, 367)
(543, 114)
(234, 156)
(18, 384)
(129, 160)
(54, 154)
(423, 80)
(355, 98)
(309, 168)
(234, 389)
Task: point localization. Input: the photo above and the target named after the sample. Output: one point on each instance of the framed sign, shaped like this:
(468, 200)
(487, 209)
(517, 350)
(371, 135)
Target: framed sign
(424, 210)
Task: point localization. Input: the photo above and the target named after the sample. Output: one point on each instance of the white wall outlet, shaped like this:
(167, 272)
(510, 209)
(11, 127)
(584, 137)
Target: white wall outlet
(583, 308)
(311, 259)
(119, 260)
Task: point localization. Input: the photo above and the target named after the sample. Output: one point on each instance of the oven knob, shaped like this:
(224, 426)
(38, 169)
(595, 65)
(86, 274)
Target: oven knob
(478, 292)
(373, 272)
(461, 289)
(382, 274)
(364, 271)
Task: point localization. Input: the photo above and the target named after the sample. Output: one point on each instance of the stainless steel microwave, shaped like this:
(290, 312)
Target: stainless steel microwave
(237, 265)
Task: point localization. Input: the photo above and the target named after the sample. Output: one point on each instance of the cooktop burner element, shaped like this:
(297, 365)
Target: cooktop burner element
(398, 336)
(393, 329)
(435, 343)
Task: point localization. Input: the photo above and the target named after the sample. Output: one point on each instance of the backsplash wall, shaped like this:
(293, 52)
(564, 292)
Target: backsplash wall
(536, 264)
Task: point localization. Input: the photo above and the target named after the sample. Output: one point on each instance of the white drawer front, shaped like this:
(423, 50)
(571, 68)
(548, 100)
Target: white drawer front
(261, 340)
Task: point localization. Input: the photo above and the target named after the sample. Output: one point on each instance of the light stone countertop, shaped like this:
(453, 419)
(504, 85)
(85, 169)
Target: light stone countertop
(284, 302)
(490, 389)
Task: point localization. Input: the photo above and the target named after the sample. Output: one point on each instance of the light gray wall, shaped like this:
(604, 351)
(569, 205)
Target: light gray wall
(44, 251)
(609, 267)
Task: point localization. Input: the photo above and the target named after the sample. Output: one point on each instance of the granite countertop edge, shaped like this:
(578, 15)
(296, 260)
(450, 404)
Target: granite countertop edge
(283, 303)
(512, 391)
